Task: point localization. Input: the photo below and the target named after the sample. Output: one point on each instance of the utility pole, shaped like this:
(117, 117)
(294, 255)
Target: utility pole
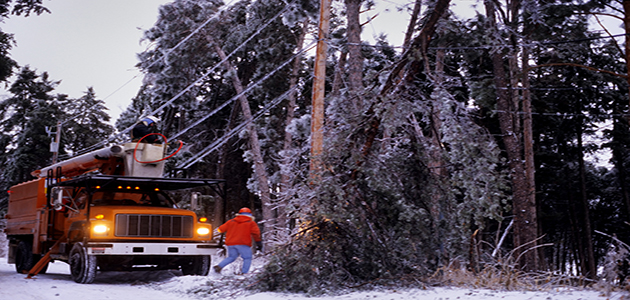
(319, 84)
(54, 145)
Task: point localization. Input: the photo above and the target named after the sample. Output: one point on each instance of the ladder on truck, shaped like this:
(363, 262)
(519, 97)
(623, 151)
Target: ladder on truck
(44, 260)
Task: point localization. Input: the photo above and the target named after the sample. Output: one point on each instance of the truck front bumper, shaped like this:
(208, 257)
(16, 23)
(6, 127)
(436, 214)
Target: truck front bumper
(151, 249)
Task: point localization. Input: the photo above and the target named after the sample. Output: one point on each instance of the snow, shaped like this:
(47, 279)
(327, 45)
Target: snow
(166, 285)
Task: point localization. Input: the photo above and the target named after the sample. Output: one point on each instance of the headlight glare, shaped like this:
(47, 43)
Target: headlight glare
(99, 229)
(203, 231)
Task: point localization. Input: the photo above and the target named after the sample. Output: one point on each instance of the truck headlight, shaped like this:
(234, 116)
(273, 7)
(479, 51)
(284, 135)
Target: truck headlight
(99, 229)
(203, 231)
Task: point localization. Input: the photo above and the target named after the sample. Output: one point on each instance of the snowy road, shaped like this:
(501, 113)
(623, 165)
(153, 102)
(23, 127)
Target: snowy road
(165, 285)
(57, 284)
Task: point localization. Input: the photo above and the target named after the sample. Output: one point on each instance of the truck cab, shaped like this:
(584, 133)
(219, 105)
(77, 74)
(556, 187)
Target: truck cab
(110, 222)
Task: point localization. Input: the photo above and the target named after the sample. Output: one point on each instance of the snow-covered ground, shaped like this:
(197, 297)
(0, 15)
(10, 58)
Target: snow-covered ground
(166, 285)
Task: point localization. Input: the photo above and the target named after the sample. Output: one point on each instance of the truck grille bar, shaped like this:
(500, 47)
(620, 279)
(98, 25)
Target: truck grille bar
(134, 225)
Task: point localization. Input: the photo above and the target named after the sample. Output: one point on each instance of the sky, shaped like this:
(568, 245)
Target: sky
(94, 43)
(87, 44)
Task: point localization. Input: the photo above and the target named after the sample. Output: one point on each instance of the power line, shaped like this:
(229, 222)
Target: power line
(169, 51)
(196, 82)
(226, 137)
(166, 54)
(244, 92)
(260, 29)
(200, 79)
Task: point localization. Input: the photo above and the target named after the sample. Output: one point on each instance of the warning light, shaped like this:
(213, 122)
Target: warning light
(157, 189)
(137, 188)
(120, 186)
(203, 219)
(128, 187)
(99, 217)
(98, 187)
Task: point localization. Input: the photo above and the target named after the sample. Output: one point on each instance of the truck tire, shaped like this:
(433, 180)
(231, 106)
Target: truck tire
(82, 265)
(24, 260)
(197, 265)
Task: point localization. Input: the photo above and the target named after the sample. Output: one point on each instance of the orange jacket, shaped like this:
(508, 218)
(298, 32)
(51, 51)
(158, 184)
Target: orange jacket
(240, 231)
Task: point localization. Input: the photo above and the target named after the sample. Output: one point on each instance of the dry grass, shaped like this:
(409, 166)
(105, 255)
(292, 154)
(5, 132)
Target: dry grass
(506, 277)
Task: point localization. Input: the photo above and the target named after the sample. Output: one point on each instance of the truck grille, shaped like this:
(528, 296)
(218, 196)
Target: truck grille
(154, 226)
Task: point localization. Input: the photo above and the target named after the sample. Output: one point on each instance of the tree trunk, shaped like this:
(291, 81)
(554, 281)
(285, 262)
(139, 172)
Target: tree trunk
(435, 160)
(622, 177)
(260, 172)
(528, 159)
(577, 245)
(319, 91)
(626, 23)
(412, 23)
(355, 58)
(221, 206)
(419, 43)
(591, 271)
(524, 202)
(339, 71)
(285, 176)
(621, 167)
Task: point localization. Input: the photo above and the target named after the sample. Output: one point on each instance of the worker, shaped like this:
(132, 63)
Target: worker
(146, 125)
(239, 233)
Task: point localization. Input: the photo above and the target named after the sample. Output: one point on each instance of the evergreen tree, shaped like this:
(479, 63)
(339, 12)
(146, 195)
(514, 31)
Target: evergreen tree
(24, 119)
(380, 209)
(17, 7)
(172, 70)
(87, 123)
(140, 106)
(570, 98)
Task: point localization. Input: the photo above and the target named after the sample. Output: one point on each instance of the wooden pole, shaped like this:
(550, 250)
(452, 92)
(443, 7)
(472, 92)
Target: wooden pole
(319, 84)
(56, 144)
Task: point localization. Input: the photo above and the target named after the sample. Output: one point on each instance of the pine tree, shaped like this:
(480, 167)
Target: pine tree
(372, 213)
(18, 8)
(86, 124)
(24, 119)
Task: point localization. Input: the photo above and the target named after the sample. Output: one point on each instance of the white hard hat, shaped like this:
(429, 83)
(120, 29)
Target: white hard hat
(151, 119)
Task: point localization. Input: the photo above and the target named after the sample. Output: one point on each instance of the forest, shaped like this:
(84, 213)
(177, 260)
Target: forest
(470, 147)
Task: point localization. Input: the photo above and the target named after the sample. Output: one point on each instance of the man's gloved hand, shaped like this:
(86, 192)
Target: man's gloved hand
(259, 246)
(175, 143)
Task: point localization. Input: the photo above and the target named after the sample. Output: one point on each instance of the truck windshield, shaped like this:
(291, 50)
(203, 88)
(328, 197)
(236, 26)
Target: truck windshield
(110, 198)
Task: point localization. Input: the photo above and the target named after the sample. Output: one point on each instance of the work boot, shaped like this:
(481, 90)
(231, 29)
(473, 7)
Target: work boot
(217, 269)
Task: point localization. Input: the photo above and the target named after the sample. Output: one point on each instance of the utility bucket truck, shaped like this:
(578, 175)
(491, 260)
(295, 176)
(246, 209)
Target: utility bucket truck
(110, 210)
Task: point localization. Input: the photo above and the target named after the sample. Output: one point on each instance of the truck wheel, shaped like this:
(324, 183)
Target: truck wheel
(197, 265)
(82, 265)
(24, 261)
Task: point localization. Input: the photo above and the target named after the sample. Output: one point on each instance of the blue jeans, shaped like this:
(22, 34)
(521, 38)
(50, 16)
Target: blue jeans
(233, 252)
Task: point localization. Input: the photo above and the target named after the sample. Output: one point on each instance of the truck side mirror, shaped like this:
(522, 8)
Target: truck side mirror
(194, 201)
(57, 198)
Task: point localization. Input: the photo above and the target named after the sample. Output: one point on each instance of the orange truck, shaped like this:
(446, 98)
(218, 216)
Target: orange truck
(110, 210)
